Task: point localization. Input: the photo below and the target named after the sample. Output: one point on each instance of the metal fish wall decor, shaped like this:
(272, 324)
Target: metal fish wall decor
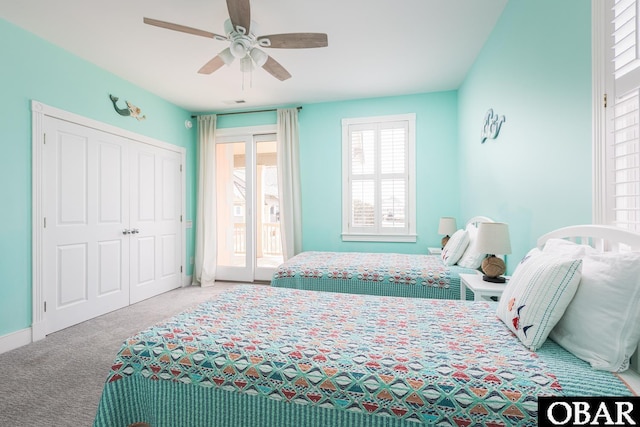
(131, 109)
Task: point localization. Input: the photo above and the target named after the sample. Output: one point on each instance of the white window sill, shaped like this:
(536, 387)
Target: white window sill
(356, 237)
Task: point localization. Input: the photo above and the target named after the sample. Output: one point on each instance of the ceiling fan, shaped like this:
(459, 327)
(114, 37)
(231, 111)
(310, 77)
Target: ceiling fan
(245, 45)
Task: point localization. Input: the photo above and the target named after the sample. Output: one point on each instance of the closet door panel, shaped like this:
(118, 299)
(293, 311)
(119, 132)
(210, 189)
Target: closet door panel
(86, 211)
(155, 218)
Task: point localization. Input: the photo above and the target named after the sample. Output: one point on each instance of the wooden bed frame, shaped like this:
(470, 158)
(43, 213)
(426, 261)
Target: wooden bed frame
(604, 238)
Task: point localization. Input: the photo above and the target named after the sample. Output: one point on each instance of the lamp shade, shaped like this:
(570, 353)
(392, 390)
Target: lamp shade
(447, 226)
(258, 56)
(226, 56)
(493, 238)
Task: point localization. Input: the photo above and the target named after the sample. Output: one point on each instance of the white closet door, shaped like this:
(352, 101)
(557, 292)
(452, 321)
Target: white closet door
(86, 209)
(155, 221)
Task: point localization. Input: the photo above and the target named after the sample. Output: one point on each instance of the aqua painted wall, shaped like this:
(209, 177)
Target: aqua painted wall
(321, 168)
(321, 165)
(33, 69)
(536, 70)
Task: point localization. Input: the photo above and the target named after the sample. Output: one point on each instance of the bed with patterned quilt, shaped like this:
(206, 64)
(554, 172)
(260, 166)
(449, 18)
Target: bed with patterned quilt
(265, 356)
(389, 274)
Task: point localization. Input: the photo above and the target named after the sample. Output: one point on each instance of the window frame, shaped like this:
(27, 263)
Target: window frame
(377, 233)
(604, 103)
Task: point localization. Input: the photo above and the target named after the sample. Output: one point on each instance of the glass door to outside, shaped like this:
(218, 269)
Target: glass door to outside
(248, 208)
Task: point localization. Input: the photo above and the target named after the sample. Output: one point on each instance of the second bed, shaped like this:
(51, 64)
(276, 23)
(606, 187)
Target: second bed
(385, 274)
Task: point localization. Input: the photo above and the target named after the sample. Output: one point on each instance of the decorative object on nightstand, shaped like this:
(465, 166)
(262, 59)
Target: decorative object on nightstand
(493, 239)
(446, 227)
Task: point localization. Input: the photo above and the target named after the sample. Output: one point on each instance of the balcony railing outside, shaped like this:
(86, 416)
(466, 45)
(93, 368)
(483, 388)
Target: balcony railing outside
(271, 241)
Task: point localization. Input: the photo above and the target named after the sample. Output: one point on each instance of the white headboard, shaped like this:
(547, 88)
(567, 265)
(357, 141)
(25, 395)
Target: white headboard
(478, 219)
(604, 238)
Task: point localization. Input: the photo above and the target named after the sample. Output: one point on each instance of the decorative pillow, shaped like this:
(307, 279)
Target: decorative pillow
(567, 248)
(537, 295)
(455, 247)
(602, 323)
(471, 258)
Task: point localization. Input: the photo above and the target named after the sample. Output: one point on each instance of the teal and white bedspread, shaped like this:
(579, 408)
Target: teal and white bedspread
(265, 356)
(389, 274)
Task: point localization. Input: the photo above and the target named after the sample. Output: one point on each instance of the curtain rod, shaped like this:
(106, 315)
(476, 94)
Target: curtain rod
(247, 112)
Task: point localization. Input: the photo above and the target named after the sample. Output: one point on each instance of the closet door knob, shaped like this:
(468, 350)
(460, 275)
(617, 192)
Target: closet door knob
(135, 231)
(126, 231)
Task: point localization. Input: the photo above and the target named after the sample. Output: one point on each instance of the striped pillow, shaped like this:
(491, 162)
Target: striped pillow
(455, 247)
(537, 296)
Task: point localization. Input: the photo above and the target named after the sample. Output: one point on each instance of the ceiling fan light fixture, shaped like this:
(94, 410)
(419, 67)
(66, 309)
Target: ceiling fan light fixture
(258, 56)
(238, 49)
(226, 56)
(246, 64)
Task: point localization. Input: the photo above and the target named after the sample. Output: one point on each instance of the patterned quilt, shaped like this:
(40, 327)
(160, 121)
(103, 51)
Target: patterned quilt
(389, 361)
(390, 274)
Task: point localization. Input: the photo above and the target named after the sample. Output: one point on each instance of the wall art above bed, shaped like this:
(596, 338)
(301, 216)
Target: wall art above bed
(491, 125)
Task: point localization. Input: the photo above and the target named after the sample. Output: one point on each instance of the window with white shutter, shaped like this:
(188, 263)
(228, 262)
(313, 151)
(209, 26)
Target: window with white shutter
(622, 163)
(378, 178)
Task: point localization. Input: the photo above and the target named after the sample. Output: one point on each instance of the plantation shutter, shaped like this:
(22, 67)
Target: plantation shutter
(378, 188)
(623, 147)
(378, 175)
(363, 200)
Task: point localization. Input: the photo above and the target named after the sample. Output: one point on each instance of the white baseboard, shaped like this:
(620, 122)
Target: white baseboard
(14, 340)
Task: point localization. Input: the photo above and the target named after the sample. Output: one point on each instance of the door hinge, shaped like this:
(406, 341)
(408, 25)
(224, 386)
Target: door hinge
(45, 306)
(180, 168)
(180, 218)
(180, 269)
(605, 100)
(44, 138)
(45, 222)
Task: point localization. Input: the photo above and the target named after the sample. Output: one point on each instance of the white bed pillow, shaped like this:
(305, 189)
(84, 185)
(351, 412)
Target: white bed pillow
(455, 247)
(471, 258)
(602, 323)
(537, 295)
(567, 248)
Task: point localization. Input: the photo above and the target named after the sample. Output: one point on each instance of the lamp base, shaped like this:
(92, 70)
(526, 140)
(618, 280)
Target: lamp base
(493, 266)
(499, 279)
(444, 241)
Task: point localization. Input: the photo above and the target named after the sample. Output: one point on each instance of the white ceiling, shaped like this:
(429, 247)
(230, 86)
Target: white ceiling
(376, 47)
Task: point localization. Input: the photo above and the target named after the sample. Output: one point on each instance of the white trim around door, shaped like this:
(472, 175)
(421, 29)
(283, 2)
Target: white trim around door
(39, 113)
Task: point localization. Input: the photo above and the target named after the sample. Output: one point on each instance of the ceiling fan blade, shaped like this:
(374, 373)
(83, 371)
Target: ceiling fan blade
(294, 40)
(240, 13)
(211, 66)
(274, 68)
(183, 28)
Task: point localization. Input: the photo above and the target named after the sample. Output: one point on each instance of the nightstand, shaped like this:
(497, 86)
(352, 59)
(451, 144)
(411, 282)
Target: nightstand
(482, 291)
(434, 251)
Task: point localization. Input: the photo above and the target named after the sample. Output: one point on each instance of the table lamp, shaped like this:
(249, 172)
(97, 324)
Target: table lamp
(492, 239)
(447, 227)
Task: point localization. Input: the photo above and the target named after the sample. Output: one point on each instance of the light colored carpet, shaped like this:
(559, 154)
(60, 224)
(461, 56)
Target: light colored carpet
(58, 381)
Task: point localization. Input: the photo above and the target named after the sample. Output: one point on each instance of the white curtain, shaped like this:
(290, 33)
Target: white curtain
(205, 251)
(289, 182)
